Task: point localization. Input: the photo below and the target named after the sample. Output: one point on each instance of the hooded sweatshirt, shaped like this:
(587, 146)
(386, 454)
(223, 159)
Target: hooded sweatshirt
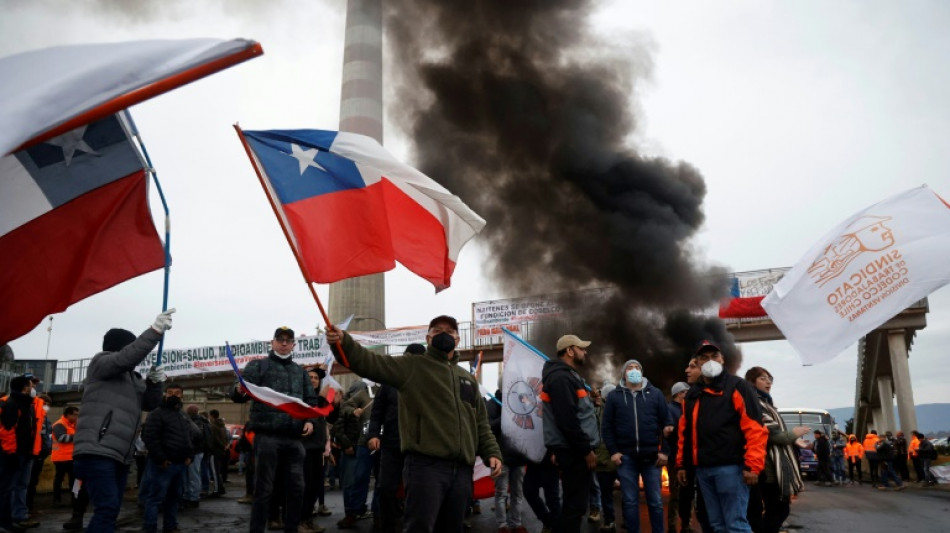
(634, 419)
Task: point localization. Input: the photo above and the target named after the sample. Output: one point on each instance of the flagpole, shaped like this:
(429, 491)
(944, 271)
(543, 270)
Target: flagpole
(168, 226)
(283, 227)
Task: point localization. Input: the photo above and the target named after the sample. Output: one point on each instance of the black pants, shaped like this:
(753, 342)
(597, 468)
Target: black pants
(38, 463)
(437, 493)
(854, 464)
(275, 454)
(221, 462)
(575, 480)
(64, 469)
(312, 481)
(918, 468)
(900, 466)
(391, 463)
(538, 477)
(874, 465)
(824, 470)
(767, 510)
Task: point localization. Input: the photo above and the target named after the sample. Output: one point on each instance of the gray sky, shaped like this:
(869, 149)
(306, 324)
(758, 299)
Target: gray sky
(798, 114)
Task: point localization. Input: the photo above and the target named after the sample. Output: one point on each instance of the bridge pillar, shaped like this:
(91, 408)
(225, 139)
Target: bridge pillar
(900, 370)
(885, 390)
(877, 420)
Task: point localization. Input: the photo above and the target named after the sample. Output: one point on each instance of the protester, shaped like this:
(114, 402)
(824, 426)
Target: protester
(245, 445)
(314, 446)
(838, 445)
(570, 427)
(690, 492)
(29, 456)
(384, 439)
(912, 451)
(46, 449)
(900, 456)
(171, 439)
(726, 444)
(885, 455)
(543, 477)
(20, 422)
(770, 499)
(355, 461)
(192, 482)
(676, 507)
(606, 469)
(509, 486)
(854, 452)
(443, 423)
(220, 452)
(114, 396)
(927, 453)
(277, 442)
(870, 453)
(636, 420)
(822, 448)
(64, 431)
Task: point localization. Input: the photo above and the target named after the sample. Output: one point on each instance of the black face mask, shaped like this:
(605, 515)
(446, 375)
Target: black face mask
(443, 342)
(172, 402)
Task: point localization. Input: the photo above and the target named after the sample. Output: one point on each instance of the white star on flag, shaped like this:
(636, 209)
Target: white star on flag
(70, 142)
(305, 158)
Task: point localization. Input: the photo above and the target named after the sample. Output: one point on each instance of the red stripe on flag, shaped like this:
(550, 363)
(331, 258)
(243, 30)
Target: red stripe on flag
(742, 308)
(86, 246)
(418, 237)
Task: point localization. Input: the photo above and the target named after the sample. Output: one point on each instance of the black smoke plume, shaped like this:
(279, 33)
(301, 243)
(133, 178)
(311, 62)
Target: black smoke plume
(522, 111)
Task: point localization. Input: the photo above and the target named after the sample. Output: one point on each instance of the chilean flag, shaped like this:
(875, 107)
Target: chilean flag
(746, 292)
(288, 404)
(74, 221)
(351, 209)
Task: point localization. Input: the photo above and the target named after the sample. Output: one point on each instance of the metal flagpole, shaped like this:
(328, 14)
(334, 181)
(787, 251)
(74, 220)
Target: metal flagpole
(168, 223)
(280, 220)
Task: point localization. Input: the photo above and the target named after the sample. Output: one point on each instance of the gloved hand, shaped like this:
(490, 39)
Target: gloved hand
(163, 322)
(156, 374)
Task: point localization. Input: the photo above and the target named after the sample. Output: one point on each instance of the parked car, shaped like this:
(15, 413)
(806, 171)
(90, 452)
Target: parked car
(235, 431)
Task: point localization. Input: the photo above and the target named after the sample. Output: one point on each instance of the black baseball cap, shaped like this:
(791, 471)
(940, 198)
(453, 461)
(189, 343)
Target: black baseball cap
(444, 319)
(707, 347)
(285, 331)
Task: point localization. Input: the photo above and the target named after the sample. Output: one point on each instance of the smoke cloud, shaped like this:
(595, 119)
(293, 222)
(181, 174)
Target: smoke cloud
(522, 111)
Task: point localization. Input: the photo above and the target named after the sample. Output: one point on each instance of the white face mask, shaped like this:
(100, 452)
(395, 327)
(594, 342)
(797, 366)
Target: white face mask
(712, 368)
(45, 408)
(282, 356)
(32, 393)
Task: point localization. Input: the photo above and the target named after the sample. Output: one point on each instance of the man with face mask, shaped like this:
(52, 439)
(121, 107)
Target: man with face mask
(443, 423)
(636, 420)
(171, 439)
(278, 437)
(721, 434)
(570, 426)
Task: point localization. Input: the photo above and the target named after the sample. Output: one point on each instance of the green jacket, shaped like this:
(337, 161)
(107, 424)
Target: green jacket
(441, 412)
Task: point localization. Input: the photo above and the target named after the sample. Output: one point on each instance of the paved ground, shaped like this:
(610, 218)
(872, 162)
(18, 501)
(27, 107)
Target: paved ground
(819, 509)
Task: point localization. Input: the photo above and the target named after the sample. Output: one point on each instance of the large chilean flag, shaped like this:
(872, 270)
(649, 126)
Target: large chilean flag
(351, 209)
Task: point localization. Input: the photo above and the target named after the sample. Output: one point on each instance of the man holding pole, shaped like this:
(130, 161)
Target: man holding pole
(443, 423)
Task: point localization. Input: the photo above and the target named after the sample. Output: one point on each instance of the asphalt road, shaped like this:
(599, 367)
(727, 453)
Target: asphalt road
(819, 509)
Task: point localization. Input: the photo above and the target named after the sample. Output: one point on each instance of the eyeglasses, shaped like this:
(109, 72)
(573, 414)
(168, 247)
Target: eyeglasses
(284, 340)
(767, 377)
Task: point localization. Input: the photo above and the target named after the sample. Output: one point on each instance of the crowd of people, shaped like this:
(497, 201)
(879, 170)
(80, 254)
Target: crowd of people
(416, 425)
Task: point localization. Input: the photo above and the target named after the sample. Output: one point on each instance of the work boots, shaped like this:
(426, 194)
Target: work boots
(349, 522)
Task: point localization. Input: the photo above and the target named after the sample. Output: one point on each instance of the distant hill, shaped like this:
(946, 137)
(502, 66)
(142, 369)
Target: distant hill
(931, 417)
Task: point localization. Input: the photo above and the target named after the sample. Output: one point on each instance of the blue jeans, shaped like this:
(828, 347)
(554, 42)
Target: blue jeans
(21, 482)
(356, 471)
(726, 496)
(887, 472)
(631, 469)
(594, 491)
(104, 480)
(164, 491)
(606, 481)
(837, 468)
(9, 468)
(509, 487)
(192, 485)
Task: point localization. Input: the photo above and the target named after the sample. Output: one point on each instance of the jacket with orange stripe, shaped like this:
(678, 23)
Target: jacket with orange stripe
(64, 432)
(21, 423)
(570, 418)
(870, 446)
(722, 425)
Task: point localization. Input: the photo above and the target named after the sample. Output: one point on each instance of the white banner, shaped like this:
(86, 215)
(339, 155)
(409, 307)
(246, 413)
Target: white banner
(862, 273)
(521, 421)
(492, 315)
(392, 337)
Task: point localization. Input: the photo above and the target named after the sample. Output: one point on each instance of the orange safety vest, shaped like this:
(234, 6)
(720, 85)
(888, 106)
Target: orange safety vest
(854, 449)
(870, 440)
(914, 444)
(249, 435)
(8, 436)
(63, 451)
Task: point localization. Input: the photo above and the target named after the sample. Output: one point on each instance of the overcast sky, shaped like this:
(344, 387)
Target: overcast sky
(797, 114)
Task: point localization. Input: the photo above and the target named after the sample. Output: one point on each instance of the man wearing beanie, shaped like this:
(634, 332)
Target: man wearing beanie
(636, 420)
(113, 398)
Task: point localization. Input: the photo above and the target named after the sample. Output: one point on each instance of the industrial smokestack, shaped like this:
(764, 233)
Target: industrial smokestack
(521, 110)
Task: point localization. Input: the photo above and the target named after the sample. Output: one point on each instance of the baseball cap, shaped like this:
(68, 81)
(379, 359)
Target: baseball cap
(567, 341)
(707, 347)
(444, 319)
(678, 387)
(31, 377)
(285, 331)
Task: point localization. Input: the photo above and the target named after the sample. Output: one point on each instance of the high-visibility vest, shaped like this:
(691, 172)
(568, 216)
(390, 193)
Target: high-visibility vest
(870, 443)
(63, 451)
(914, 444)
(8, 436)
(854, 449)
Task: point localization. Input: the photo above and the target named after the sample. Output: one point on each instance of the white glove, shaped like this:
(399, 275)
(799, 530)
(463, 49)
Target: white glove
(156, 374)
(163, 322)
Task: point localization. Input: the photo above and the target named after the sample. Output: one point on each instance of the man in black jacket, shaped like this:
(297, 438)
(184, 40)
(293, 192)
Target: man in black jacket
(171, 439)
(192, 483)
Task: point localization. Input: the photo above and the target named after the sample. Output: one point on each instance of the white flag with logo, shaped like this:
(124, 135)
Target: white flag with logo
(862, 273)
(521, 397)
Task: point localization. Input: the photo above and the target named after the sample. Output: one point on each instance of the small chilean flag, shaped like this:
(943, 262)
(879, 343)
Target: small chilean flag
(351, 209)
(288, 404)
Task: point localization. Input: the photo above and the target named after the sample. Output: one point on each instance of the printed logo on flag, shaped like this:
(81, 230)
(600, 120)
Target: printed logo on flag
(522, 399)
(867, 234)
